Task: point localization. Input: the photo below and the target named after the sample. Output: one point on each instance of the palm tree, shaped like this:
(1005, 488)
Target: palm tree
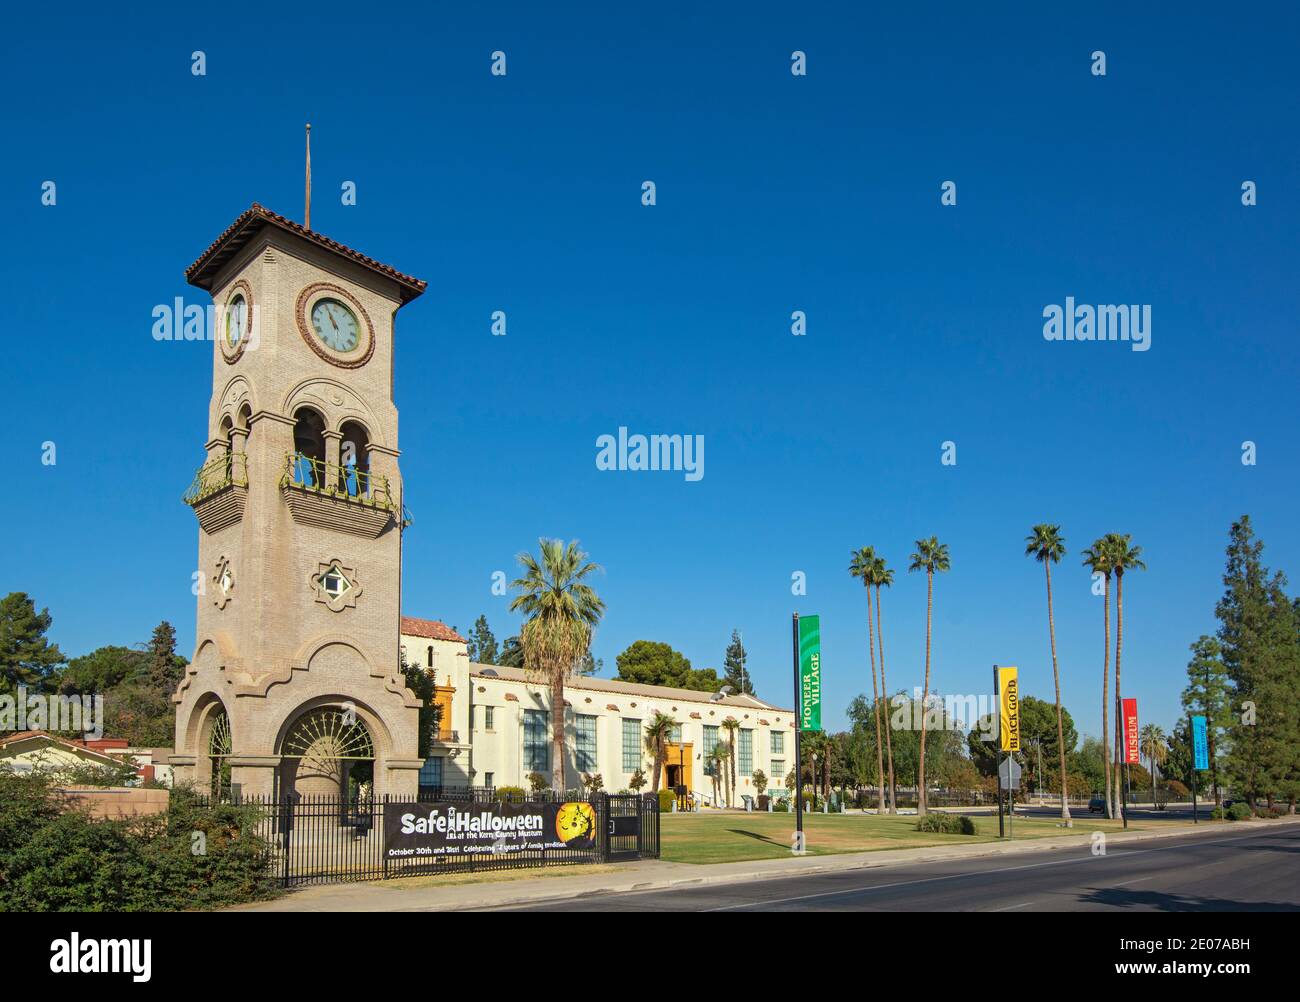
(1156, 749)
(731, 725)
(1046, 545)
(562, 611)
(658, 732)
(882, 576)
(1097, 558)
(1124, 556)
(717, 762)
(930, 556)
(861, 564)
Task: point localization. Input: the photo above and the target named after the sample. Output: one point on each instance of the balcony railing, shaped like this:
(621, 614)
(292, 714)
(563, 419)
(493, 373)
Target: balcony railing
(228, 469)
(346, 483)
(445, 735)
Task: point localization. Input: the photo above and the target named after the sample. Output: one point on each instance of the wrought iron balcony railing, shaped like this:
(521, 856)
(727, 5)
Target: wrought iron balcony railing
(229, 469)
(346, 483)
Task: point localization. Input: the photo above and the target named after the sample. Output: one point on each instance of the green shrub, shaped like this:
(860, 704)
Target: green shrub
(55, 857)
(510, 794)
(1217, 814)
(666, 798)
(947, 824)
(1240, 812)
(782, 805)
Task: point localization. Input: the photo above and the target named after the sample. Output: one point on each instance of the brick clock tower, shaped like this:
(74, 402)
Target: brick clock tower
(295, 684)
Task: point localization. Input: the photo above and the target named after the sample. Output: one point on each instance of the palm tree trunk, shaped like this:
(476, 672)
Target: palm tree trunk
(875, 693)
(731, 792)
(884, 692)
(1105, 710)
(1056, 677)
(925, 690)
(1119, 705)
(557, 731)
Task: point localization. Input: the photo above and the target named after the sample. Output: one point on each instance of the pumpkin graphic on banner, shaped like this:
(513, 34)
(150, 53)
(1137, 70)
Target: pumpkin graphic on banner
(575, 825)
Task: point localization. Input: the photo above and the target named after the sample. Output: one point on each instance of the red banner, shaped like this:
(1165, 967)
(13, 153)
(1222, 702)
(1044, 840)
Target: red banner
(1132, 750)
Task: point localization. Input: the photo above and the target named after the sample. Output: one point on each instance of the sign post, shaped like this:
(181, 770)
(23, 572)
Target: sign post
(1200, 756)
(997, 722)
(1132, 749)
(808, 699)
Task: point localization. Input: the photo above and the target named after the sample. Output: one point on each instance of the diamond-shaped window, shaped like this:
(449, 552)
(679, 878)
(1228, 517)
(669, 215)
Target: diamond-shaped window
(335, 583)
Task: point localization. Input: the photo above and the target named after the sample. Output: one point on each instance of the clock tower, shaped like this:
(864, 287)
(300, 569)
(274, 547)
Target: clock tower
(295, 684)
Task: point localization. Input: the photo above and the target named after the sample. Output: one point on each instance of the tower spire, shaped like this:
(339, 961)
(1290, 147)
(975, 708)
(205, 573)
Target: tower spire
(307, 212)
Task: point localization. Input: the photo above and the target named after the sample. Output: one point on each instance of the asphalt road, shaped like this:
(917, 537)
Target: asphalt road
(1237, 870)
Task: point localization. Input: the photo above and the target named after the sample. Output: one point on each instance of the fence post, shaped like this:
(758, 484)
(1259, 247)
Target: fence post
(286, 825)
(606, 820)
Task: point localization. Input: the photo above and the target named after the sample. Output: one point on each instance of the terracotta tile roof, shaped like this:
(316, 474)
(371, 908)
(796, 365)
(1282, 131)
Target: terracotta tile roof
(203, 272)
(430, 629)
(74, 743)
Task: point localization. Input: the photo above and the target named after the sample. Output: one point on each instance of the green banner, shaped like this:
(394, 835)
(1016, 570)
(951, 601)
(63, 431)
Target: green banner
(810, 673)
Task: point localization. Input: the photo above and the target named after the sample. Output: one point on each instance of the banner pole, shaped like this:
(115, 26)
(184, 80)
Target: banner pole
(798, 745)
(997, 748)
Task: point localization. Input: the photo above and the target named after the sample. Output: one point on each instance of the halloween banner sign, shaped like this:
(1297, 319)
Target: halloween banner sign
(414, 830)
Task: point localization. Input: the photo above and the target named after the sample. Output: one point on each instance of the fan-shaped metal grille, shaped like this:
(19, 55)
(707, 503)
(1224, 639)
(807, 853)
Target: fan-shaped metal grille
(219, 739)
(329, 735)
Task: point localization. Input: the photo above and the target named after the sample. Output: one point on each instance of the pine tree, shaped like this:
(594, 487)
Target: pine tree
(27, 658)
(733, 666)
(165, 667)
(1209, 694)
(483, 643)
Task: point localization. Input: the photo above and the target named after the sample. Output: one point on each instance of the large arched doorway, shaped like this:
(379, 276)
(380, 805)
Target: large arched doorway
(219, 750)
(329, 750)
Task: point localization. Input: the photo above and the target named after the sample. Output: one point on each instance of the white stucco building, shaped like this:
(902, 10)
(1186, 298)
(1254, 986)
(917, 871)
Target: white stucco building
(495, 726)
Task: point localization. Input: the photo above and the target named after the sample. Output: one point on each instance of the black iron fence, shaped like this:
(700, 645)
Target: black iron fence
(331, 839)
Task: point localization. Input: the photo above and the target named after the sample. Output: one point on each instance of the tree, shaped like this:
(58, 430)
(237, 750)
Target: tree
(423, 685)
(731, 725)
(716, 762)
(99, 671)
(930, 556)
(734, 673)
(1098, 559)
(483, 643)
(658, 732)
(861, 565)
(512, 653)
(1124, 556)
(1154, 748)
(590, 665)
(883, 577)
(1209, 693)
(1046, 545)
(166, 667)
(652, 662)
(562, 610)
(760, 782)
(27, 658)
(637, 782)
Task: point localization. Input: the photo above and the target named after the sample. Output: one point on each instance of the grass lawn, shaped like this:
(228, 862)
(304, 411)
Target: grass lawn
(723, 837)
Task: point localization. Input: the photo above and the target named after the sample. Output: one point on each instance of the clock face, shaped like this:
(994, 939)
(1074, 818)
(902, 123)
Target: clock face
(236, 320)
(335, 325)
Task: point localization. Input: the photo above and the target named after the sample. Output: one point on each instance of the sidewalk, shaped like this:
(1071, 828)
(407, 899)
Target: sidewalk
(561, 883)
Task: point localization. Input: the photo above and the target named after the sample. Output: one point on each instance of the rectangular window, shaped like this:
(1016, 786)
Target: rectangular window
(675, 735)
(537, 757)
(585, 745)
(489, 779)
(778, 742)
(776, 781)
(745, 753)
(710, 742)
(431, 772)
(489, 717)
(631, 745)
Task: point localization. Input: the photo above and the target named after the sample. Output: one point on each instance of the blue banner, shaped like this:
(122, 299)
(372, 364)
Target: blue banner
(1200, 746)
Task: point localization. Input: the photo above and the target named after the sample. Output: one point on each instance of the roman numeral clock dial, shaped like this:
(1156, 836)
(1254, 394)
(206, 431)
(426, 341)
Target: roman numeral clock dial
(336, 325)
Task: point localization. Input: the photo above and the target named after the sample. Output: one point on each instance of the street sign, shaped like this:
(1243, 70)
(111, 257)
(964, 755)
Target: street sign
(1009, 771)
(1200, 744)
(1009, 709)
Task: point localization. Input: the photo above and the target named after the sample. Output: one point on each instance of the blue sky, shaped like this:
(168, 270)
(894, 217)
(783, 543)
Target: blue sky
(775, 194)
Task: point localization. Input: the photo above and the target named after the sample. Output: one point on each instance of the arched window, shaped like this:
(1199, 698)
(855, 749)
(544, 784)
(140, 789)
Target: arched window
(246, 423)
(354, 459)
(309, 444)
(430, 653)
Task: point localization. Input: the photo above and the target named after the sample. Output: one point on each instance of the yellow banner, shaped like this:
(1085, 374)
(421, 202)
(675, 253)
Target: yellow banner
(1009, 709)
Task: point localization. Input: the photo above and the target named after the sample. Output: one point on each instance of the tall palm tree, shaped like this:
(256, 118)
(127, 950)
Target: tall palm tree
(1124, 556)
(1046, 545)
(1156, 749)
(1097, 559)
(883, 576)
(731, 725)
(562, 610)
(861, 565)
(930, 556)
(658, 732)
